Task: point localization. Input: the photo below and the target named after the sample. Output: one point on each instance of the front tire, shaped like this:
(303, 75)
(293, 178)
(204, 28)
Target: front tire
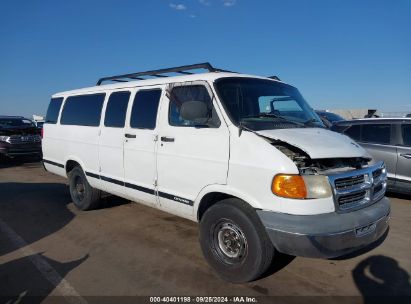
(234, 241)
(83, 195)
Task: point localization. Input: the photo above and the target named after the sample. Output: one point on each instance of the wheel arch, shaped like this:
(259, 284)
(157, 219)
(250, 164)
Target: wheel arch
(71, 162)
(211, 195)
(209, 200)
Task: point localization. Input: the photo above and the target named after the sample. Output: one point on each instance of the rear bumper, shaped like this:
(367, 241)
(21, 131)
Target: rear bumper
(327, 235)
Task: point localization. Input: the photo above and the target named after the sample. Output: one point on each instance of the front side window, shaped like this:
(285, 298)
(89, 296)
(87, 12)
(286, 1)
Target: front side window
(53, 110)
(180, 96)
(376, 133)
(262, 104)
(116, 109)
(406, 135)
(83, 110)
(145, 107)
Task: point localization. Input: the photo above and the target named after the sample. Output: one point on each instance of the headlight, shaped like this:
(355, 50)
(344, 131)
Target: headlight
(301, 187)
(5, 138)
(318, 186)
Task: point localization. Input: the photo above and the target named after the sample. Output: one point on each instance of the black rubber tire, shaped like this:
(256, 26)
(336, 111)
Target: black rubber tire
(91, 197)
(260, 251)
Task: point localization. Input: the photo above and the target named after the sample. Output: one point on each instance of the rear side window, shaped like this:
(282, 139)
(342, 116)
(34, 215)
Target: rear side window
(83, 110)
(377, 134)
(181, 94)
(53, 110)
(406, 135)
(354, 132)
(144, 111)
(116, 109)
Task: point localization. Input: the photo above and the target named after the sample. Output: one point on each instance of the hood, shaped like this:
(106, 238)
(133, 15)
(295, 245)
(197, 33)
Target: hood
(8, 131)
(317, 143)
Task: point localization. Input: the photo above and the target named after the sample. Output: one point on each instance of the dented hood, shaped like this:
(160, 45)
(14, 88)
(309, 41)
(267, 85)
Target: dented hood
(317, 142)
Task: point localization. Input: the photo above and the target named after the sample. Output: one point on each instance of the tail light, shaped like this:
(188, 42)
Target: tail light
(42, 132)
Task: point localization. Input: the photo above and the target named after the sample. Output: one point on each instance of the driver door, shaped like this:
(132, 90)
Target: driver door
(190, 155)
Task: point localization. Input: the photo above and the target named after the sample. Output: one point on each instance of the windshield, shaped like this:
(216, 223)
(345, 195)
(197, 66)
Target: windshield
(261, 104)
(15, 122)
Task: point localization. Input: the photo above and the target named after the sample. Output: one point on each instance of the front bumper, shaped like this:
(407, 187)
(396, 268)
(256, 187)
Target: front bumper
(20, 149)
(326, 235)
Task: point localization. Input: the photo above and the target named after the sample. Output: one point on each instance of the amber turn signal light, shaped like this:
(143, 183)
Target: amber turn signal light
(289, 186)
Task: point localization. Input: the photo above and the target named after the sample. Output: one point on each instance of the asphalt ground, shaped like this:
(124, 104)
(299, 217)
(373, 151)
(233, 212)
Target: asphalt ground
(51, 252)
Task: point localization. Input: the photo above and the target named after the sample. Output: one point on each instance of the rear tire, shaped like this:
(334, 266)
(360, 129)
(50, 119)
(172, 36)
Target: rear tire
(83, 195)
(234, 241)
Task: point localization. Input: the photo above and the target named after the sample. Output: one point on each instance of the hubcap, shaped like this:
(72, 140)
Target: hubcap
(232, 242)
(79, 188)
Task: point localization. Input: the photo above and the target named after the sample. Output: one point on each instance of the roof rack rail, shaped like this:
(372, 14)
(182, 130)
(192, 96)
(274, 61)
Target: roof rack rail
(274, 77)
(160, 73)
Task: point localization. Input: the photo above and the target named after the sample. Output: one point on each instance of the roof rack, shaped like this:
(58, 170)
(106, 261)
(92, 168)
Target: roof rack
(274, 77)
(160, 73)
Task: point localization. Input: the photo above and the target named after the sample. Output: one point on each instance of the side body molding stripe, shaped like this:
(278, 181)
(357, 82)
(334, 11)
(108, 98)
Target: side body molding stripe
(53, 163)
(142, 189)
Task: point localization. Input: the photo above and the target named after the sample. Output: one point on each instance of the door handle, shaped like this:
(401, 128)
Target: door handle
(167, 139)
(127, 135)
(407, 156)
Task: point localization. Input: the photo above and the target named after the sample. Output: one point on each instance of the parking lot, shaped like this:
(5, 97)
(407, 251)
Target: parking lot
(48, 248)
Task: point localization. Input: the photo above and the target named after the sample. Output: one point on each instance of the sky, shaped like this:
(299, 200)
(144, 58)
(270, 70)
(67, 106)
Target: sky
(338, 53)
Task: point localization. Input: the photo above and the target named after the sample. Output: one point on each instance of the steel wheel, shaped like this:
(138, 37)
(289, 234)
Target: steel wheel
(230, 242)
(79, 188)
(234, 241)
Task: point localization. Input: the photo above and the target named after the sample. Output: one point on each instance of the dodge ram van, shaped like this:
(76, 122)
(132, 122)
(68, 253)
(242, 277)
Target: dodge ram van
(244, 156)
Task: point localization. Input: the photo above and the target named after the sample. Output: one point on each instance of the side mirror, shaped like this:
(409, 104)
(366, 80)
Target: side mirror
(194, 111)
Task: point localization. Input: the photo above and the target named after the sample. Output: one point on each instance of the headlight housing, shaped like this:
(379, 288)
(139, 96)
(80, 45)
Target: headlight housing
(318, 186)
(301, 187)
(5, 139)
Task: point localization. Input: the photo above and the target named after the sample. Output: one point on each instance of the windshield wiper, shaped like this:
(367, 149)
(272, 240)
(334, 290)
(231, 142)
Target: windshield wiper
(271, 115)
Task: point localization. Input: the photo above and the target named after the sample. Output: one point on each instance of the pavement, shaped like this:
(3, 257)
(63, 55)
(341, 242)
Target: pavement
(49, 250)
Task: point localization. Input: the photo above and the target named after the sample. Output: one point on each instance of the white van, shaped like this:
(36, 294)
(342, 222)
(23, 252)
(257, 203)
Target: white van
(244, 156)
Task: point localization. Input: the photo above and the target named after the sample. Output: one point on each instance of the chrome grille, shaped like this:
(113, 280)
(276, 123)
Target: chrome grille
(378, 188)
(23, 139)
(377, 173)
(348, 182)
(356, 189)
(351, 200)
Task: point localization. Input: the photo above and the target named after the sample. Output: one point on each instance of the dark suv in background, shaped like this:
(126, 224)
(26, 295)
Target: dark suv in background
(387, 139)
(19, 136)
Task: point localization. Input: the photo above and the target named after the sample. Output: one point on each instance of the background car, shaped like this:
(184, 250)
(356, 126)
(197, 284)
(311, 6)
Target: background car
(387, 139)
(39, 124)
(19, 136)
